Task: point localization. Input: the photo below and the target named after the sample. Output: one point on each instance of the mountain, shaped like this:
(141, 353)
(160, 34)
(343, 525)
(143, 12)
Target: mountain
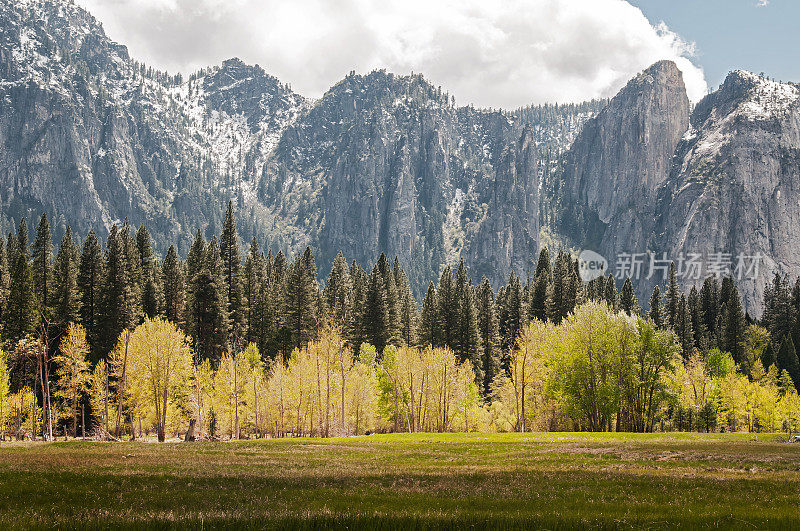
(735, 182)
(389, 163)
(379, 163)
(712, 186)
(612, 173)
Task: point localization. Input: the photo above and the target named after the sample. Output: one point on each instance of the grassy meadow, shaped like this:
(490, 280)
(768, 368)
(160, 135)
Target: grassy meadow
(406, 481)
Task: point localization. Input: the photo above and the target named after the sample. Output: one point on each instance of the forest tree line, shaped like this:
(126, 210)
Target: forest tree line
(252, 345)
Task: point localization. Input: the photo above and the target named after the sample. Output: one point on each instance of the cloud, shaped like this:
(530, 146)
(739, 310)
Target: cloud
(491, 53)
(762, 3)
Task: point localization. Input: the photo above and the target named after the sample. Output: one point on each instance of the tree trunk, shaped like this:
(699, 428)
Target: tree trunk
(75, 416)
(190, 432)
(162, 422)
(255, 405)
(122, 383)
(45, 381)
(106, 405)
(343, 397)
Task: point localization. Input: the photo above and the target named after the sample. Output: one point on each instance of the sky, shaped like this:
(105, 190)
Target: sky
(490, 53)
(760, 36)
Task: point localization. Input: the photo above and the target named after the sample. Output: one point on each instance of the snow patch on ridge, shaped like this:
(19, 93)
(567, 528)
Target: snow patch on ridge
(767, 98)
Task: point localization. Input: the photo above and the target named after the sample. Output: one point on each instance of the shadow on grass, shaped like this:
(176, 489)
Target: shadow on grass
(454, 500)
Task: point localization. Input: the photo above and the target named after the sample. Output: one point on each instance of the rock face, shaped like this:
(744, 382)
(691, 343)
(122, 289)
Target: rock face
(613, 171)
(508, 237)
(386, 163)
(380, 163)
(735, 185)
(720, 186)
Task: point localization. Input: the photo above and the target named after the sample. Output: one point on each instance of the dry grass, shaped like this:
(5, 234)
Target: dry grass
(407, 481)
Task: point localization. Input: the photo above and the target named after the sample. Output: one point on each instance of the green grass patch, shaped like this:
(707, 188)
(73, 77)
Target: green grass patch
(404, 481)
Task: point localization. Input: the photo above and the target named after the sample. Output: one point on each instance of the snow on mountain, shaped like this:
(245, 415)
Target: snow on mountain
(766, 98)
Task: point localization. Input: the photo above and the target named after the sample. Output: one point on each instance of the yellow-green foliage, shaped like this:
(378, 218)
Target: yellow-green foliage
(157, 361)
(4, 405)
(72, 372)
(101, 396)
(22, 415)
(428, 390)
(597, 370)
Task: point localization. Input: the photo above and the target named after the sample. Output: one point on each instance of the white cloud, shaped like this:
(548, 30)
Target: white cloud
(498, 53)
(762, 3)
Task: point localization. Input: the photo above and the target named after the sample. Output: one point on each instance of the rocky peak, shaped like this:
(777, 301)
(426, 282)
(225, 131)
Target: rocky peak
(613, 170)
(236, 88)
(40, 39)
(747, 97)
(734, 186)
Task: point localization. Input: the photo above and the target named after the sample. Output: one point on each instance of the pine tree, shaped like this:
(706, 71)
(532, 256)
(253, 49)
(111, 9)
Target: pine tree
(266, 307)
(591, 291)
(339, 293)
(527, 298)
(780, 314)
(467, 337)
(734, 324)
(543, 266)
(195, 262)
(698, 322)
(796, 294)
(768, 357)
(152, 281)
(796, 312)
(22, 315)
(174, 287)
(280, 269)
(43, 266)
(121, 303)
(541, 287)
(359, 280)
(489, 334)
(301, 301)
(282, 340)
(229, 247)
(655, 313)
(787, 359)
(66, 298)
(627, 300)
(254, 278)
(389, 286)
(195, 259)
(133, 263)
(610, 292)
(564, 293)
(91, 281)
(397, 271)
(683, 327)
(375, 316)
(709, 306)
(672, 299)
(726, 290)
(511, 320)
(448, 308)
(430, 324)
(208, 309)
(409, 311)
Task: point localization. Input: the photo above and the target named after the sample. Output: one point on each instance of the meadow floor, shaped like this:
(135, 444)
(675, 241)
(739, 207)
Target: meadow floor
(505, 481)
